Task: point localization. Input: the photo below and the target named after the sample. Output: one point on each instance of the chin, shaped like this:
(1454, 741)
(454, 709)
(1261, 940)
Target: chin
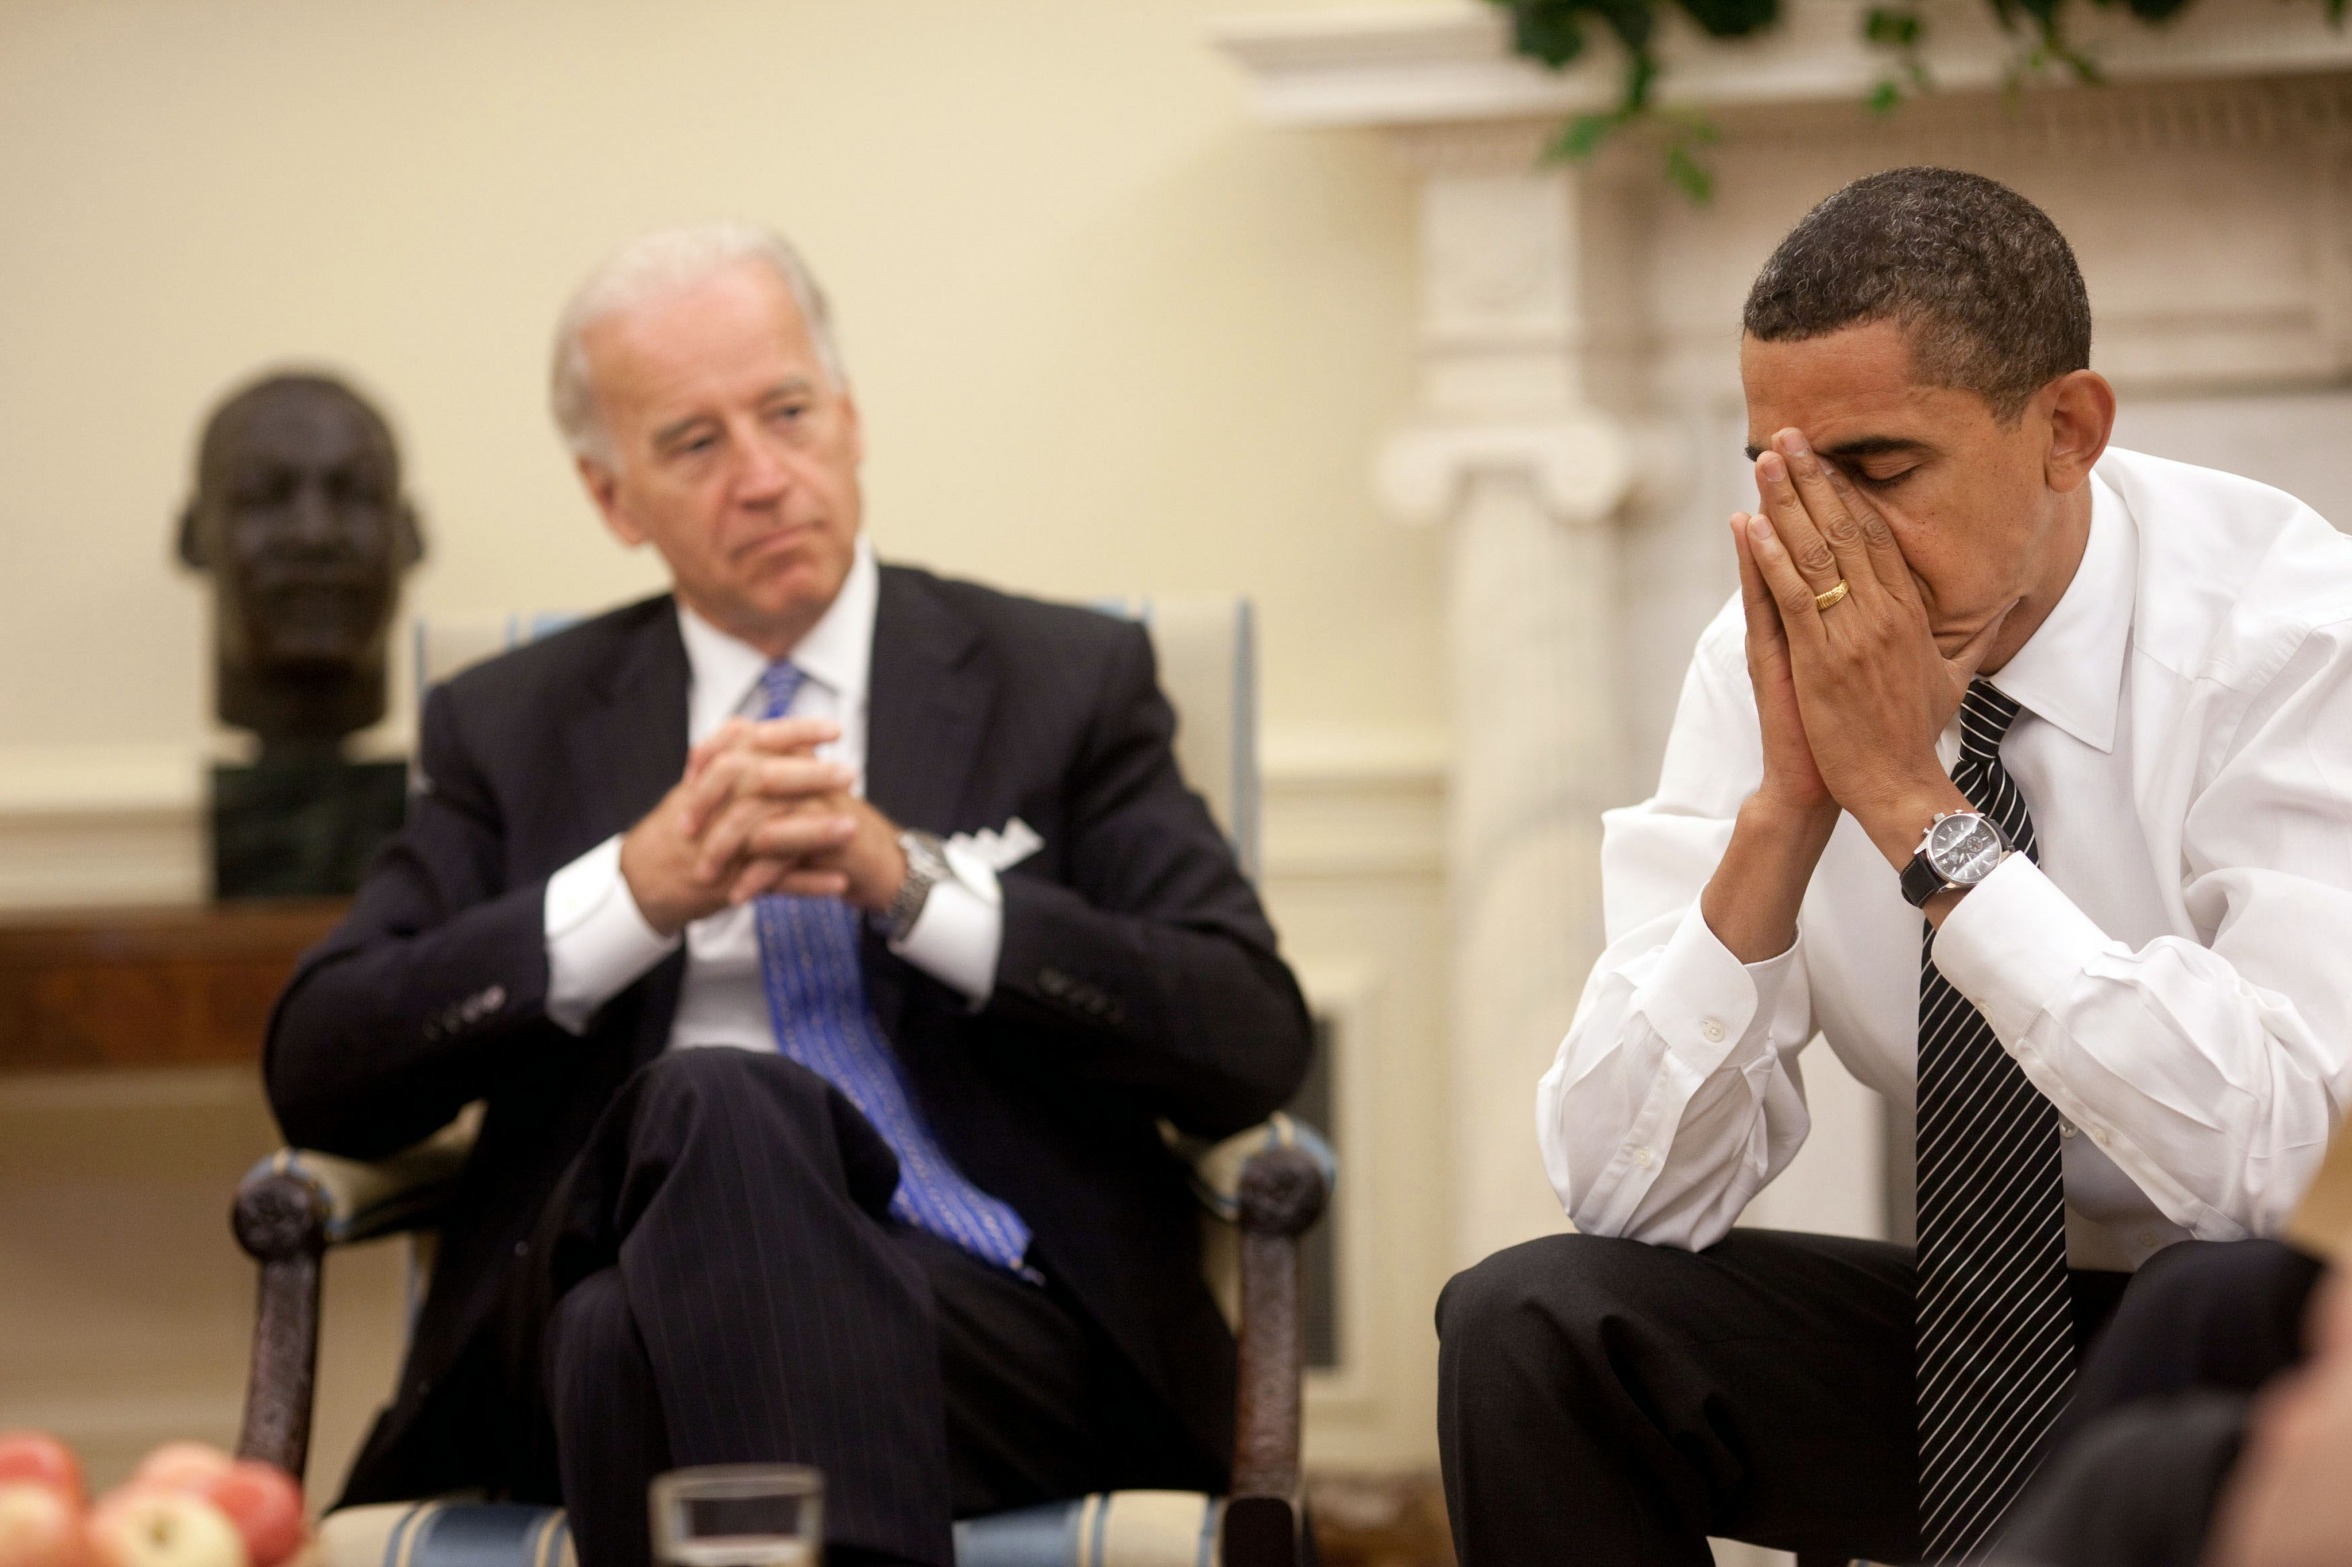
(801, 584)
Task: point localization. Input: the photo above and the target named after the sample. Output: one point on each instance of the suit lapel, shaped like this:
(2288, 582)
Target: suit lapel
(629, 743)
(928, 703)
(628, 746)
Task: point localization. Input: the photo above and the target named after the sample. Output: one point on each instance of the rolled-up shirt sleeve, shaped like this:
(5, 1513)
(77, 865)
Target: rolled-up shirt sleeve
(1676, 1096)
(2212, 1072)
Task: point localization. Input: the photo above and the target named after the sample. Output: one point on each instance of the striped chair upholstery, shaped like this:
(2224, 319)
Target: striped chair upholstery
(1122, 1529)
(446, 1534)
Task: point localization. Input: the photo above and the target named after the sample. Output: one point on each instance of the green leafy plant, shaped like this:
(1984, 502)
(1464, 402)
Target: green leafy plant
(1556, 33)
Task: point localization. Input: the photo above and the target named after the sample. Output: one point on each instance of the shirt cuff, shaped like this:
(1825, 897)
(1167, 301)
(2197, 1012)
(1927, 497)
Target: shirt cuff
(598, 943)
(957, 937)
(2014, 945)
(1702, 1000)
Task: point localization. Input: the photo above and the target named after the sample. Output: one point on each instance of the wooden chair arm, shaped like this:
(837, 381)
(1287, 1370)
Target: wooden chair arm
(290, 1208)
(281, 1221)
(1282, 1193)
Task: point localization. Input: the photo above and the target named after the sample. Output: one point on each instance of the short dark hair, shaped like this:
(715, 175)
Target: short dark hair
(1978, 278)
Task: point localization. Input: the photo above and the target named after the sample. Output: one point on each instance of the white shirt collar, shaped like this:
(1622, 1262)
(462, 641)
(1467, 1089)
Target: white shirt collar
(837, 652)
(2070, 671)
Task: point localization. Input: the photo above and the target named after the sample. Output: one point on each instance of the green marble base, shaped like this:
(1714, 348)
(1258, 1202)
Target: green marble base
(302, 828)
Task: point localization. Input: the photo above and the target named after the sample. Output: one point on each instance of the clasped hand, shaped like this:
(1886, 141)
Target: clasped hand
(757, 811)
(1852, 695)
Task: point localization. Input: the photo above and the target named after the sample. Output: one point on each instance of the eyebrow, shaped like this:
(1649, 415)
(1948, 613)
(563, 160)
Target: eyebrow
(1861, 446)
(790, 386)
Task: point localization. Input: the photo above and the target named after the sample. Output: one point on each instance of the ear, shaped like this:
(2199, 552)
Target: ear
(410, 530)
(2082, 416)
(604, 488)
(192, 537)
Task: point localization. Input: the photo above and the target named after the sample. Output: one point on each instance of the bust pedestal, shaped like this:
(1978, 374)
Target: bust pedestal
(303, 826)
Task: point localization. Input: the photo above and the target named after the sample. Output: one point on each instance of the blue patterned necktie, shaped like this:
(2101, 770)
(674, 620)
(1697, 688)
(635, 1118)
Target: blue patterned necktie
(1996, 1330)
(817, 1003)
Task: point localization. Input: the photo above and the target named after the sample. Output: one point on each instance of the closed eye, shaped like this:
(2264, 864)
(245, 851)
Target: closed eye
(1884, 480)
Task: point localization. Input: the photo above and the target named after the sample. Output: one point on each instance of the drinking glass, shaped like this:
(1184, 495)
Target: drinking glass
(738, 1515)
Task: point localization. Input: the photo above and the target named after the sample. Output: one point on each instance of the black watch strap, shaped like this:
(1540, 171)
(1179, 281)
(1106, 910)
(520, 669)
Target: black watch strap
(1921, 881)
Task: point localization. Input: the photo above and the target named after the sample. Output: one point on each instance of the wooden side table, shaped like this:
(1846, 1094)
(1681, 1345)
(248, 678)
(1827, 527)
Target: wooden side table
(187, 986)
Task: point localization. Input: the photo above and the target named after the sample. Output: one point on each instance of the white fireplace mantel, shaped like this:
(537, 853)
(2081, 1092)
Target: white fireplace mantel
(1578, 421)
(1451, 59)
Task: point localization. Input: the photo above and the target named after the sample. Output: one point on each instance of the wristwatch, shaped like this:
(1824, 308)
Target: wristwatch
(927, 866)
(1959, 850)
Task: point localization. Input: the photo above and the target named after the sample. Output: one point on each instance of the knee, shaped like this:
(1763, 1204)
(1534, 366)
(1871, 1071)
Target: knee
(2188, 1284)
(725, 1097)
(724, 1081)
(1555, 1287)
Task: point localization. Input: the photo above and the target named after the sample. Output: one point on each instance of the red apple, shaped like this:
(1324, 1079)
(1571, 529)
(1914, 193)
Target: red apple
(262, 1500)
(40, 1526)
(37, 1456)
(140, 1527)
(180, 1466)
(265, 1504)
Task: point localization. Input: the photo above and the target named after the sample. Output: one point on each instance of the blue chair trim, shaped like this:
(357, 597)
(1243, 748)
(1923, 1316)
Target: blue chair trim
(478, 1534)
(1042, 1536)
(1096, 1555)
(1113, 1529)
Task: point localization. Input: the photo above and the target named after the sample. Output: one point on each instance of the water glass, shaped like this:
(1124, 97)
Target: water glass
(738, 1515)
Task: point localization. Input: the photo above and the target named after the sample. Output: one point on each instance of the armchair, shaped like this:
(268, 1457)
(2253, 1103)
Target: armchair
(1261, 1190)
(1267, 1186)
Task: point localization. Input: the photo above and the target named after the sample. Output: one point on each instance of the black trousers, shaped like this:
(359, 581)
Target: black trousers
(725, 1286)
(2159, 1411)
(1617, 1403)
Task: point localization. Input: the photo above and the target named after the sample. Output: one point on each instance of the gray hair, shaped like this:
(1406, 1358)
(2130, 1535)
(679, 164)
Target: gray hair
(1977, 278)
(665, 262)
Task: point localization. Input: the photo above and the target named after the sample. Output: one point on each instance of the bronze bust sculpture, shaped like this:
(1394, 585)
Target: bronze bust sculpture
(299, 517)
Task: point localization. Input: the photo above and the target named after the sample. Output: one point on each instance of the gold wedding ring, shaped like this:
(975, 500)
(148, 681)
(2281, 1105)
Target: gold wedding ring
(1834, 596)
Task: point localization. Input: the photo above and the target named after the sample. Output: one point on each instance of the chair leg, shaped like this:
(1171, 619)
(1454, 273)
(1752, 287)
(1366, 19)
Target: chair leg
(1282, 1194)
(281, 1222)
(1261, 1531)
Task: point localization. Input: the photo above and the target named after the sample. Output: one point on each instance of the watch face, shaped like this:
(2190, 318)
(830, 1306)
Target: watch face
(1964, 848)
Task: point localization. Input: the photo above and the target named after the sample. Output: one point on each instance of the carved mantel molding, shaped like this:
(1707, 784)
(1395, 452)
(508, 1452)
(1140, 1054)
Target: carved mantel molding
(1450, 60)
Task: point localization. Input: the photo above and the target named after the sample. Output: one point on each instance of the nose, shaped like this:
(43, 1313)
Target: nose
(313, 517)
(762, 475)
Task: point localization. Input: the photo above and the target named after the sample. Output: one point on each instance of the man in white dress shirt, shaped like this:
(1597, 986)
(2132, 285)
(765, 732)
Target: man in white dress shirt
(919, 852)
(2020, 771)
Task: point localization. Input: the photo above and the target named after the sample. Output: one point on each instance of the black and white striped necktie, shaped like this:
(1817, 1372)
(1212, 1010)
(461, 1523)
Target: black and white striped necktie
(1996, 1341)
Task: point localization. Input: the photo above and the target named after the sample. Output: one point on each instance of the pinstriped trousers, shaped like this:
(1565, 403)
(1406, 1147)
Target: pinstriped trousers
(727, 1287)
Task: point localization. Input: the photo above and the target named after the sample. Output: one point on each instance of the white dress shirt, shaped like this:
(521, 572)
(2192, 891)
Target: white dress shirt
(598, 942)
(2175, 975)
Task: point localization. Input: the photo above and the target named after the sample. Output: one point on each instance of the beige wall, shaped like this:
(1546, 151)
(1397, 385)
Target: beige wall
(1109, 333)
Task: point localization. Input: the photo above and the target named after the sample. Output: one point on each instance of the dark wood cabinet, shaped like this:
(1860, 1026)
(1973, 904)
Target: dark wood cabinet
(188, 986)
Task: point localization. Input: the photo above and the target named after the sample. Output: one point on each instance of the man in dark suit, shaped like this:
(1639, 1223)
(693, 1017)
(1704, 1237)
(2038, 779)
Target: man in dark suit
(919, 852)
